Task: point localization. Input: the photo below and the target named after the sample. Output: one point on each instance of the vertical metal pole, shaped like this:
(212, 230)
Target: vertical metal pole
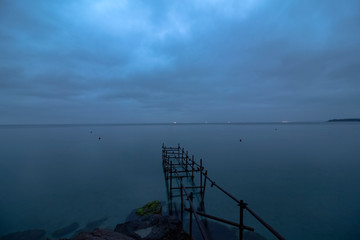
(166, 168)
(241, 229)
(170, 179)
(182, 157)
(201, 177)
(187, 158)
(182, 205)
(190, 227)
(178, 156)
(192, 167)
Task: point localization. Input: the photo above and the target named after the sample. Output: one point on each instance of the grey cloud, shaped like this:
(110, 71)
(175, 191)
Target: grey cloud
(207, 61)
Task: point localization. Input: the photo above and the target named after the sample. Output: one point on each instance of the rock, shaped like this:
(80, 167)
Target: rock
(145, 223)
(65, 230)
(153, 207)
(102, 234)
(34, 234)
(144, 232)
(135, 216)
(153, 227)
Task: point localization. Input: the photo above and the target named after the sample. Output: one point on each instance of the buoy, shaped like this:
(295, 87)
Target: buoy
(90, 131)
(99, 138)
(240, 140)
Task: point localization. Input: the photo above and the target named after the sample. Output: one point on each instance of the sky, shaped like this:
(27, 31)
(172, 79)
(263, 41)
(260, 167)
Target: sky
(158, 61)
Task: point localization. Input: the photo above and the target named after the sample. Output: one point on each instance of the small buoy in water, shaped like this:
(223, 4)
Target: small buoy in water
(275, 129)
(240, 140)
(90, 131)
(99, 138)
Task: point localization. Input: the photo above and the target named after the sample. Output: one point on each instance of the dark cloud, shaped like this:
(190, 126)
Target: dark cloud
(163, 61)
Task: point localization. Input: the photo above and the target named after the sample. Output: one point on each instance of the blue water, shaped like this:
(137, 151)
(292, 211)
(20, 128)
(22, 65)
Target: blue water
(301, 178)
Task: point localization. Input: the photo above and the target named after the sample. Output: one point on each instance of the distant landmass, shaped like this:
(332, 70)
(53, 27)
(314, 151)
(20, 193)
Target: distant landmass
(345, 120)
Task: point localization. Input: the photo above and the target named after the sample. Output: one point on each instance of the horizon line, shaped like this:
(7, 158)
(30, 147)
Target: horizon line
(158, 123)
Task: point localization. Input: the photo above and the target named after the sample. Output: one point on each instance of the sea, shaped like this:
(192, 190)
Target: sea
(301, 178)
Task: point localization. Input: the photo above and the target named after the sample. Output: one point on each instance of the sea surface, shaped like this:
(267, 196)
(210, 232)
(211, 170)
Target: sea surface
(301, 178)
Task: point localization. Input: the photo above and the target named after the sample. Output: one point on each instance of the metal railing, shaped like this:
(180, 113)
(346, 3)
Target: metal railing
(175, 157)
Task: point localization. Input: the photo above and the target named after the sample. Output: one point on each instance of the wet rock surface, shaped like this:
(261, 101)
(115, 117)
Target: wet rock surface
(153, 207)
(153, 227)
(102, 234)
(146, 224)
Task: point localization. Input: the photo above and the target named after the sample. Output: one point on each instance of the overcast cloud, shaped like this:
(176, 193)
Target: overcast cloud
(117, 61)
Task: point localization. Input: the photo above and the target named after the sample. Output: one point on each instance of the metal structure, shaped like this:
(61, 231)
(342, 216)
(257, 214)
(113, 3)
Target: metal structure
(178, 165)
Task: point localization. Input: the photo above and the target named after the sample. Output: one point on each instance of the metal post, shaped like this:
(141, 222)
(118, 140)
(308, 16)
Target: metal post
(182, 205)
(182, 157)
(192, 167)
(191, 213)
(170, 179)
(201, 177)
(241, 229)
(167, 167)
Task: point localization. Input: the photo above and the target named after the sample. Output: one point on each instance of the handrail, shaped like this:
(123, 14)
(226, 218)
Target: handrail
(271, 229)
(189, 198)
(243, 206)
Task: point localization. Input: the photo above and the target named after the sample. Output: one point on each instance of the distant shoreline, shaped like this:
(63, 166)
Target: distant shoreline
(155, 124)
(345, 120)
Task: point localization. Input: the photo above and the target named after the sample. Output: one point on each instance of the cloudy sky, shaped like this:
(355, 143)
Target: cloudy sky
(121, 61)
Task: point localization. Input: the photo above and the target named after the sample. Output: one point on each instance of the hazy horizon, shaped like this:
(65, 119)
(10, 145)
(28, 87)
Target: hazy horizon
(163, 123)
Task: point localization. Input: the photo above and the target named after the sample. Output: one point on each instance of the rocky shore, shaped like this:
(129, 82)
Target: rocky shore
(145, 223)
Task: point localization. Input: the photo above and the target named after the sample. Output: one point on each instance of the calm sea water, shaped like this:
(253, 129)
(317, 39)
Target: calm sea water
(301, 178)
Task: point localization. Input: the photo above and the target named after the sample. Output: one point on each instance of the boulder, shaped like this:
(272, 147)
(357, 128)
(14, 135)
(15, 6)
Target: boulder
(102, 234)
(153, 207)
(153, 227)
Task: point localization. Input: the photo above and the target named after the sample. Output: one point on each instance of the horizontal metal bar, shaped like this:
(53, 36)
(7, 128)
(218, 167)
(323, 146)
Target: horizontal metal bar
(192, 187)
(223, 220)
(182, 176)
(189, 171)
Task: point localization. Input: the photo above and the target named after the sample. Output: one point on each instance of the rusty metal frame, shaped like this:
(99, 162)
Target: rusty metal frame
(183, 160)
